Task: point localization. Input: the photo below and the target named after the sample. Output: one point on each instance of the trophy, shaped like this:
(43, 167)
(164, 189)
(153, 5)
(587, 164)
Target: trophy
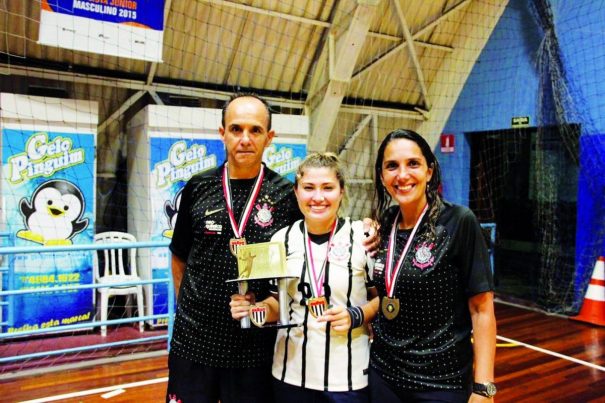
(263, 261)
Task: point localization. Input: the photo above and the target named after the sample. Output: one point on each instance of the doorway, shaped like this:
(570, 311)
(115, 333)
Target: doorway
(525, 181)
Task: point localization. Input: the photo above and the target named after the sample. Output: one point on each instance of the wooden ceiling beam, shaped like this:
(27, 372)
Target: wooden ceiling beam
(120, 111)
(383, 112)
(270, 13)
(311, 21)
(139, 85)
(342, 63)
(413, 55)
(393, 51)
(351, 138)
(395, 38)
(132, 84)
(156, 98)
(471, 37)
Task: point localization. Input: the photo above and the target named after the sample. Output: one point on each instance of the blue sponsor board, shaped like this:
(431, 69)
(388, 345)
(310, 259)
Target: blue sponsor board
(284, 158)
(173, 161)
(142, 13)
(48, 192)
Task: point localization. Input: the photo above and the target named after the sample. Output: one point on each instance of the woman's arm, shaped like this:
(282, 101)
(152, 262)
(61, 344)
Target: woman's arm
(481, 307)
(340, 319)
(371, 308)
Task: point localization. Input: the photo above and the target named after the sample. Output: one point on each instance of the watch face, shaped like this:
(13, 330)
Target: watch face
(487, 389)
(490, 388)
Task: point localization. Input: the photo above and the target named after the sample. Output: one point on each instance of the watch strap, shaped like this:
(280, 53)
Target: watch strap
(487, 389)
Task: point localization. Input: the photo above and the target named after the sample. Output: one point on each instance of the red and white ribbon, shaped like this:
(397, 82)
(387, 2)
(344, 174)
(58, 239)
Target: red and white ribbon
(390, 276)
(238, 229)
(317, 279)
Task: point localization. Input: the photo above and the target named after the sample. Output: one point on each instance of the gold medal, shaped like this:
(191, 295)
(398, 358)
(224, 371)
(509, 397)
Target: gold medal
(317, 306)
(234, 243)
(258, 315)
(238, 229)
(390, 307)
(389, 304)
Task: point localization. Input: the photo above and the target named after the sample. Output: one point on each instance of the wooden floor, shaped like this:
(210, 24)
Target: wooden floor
(522, 373)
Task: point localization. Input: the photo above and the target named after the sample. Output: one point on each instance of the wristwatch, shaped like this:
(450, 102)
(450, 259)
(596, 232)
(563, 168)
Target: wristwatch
(487, 389)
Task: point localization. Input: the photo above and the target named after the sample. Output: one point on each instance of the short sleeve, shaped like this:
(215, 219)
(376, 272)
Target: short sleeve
(294, 211)
(182, 237)
(358, 236)
(473, 255)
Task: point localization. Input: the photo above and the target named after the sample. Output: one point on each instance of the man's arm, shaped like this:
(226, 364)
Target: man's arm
(178, 270)
(371, 240)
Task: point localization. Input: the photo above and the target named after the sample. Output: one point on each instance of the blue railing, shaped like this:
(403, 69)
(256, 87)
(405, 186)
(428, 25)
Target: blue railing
(6, 263)
(6, 295)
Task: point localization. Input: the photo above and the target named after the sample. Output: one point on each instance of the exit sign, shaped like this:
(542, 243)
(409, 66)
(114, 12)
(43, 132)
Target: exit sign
(447, 143)
(519, 121)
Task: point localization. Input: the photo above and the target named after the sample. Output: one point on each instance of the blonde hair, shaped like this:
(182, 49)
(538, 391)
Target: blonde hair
(324, 160)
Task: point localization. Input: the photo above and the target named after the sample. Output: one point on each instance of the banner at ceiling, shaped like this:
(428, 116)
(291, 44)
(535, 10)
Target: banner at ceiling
(127, 28)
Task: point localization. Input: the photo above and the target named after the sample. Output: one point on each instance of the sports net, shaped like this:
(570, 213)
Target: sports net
(541, 184)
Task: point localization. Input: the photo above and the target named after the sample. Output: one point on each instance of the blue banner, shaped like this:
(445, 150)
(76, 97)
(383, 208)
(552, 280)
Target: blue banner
(284, 158)
(48, 191)
(142, 13)
(173, 161)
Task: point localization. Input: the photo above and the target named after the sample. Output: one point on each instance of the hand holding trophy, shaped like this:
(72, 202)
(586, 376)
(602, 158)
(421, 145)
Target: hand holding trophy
(261, 261)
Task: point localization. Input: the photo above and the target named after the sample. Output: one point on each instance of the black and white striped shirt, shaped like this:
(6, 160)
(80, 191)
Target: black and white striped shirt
(312, 355)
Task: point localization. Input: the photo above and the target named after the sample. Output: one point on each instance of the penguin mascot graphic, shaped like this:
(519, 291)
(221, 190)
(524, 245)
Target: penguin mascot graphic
(54, 215)
(172, 211)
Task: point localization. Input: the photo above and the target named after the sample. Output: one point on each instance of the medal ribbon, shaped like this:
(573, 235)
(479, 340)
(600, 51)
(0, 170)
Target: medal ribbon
(238, 230)
(390, 276)
(317, 279)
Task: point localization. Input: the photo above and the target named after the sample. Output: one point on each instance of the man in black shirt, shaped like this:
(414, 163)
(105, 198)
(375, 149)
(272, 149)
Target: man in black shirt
(211, 357)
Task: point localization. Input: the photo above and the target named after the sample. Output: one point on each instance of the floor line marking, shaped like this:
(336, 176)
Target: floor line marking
(97, 390)
(113, 393)
(165, 379)
(555, 354)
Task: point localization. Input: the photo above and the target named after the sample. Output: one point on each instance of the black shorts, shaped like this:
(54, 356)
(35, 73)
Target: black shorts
(190, 382)
(382, 391)
(295, 394)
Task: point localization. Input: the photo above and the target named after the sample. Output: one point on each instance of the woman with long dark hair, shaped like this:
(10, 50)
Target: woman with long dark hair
(434, 282)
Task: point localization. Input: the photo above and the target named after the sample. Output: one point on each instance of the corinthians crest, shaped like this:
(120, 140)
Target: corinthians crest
(424, 257)
(264, 215)
(339, 251)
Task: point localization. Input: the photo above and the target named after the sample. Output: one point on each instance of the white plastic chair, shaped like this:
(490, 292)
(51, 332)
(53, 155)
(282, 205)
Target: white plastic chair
(114, 272)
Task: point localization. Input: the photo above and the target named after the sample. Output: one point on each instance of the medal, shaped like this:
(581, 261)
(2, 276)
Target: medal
(317, 306)
(390, 307)
(234, 243)
(258, 315)
(389, 304)
(238, 228)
